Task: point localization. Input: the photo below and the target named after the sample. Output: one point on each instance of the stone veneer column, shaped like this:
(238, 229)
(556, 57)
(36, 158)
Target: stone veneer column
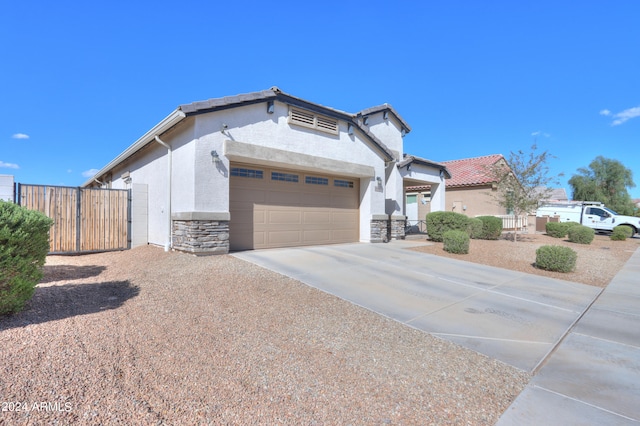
(200, 233)
(398, 224)
(380, 228)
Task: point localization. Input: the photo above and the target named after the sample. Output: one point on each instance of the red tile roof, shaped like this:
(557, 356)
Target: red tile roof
(470, 171)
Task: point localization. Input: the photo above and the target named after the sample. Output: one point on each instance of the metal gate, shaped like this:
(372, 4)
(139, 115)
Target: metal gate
(85, 219)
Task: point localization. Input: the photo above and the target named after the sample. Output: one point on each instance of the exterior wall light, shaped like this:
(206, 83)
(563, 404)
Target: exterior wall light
(270, 107)
(350, 129)
(408, 167)
(215, 157)
(223, 128)
(379, 180)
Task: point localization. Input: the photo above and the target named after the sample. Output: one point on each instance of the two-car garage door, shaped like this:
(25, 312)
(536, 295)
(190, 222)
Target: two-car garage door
(283, 208)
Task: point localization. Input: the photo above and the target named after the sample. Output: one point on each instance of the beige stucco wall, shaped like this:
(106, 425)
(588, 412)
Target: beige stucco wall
(477, 200)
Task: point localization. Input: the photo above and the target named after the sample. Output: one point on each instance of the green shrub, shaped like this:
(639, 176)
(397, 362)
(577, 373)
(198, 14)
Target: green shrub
(475, 228)
(491, 227)
(24, 243)
(556, 258)
(440, 222)
(626, 229)
(456, 241)
(556, 229)
(580, 234)
(618, 234)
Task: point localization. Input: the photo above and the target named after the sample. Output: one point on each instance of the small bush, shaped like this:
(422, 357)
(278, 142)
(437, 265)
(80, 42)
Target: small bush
(556, 229)
(24, 244)
(475, 228)
(618, 234)
(440, 222)
(456, 241)
(580, 234)
(556, 258)
(626, 229)
(491, 227)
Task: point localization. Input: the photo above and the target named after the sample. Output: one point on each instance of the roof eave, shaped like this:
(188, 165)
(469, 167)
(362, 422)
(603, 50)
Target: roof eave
(163, 126)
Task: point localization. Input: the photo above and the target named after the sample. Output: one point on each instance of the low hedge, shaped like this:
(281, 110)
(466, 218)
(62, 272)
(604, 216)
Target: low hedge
(556, 229)
(626, 229)
(619, 234)
(475, 228)
(456, 241)
(491, 227)
(24, 244)
(440, 222)
(556, 258)
(581, 234)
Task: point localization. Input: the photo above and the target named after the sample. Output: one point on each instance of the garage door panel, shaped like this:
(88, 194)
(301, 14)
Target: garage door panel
(285, 214)
(317, 217)
(286, 197)
(284, 238)
(322, 236)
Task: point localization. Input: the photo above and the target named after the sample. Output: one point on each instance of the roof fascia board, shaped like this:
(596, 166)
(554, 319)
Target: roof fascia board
(162, 127)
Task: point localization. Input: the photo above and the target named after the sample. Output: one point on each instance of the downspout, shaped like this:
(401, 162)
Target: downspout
(168, 244)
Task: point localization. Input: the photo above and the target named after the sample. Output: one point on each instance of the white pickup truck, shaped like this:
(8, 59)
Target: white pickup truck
(589, 213)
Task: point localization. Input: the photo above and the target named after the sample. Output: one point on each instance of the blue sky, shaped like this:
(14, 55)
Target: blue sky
(81, 81)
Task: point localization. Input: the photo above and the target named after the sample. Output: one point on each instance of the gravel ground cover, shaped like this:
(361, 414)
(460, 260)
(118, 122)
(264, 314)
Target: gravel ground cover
(597, 262)
(148, 337)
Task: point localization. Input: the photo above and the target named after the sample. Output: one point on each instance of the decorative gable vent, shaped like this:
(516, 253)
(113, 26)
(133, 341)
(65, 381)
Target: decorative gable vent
(313, 121)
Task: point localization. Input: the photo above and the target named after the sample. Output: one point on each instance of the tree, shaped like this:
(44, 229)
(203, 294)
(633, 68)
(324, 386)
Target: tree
(605, 180)
(522, 181)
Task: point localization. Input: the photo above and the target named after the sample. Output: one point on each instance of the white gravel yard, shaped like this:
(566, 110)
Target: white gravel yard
(148, 337)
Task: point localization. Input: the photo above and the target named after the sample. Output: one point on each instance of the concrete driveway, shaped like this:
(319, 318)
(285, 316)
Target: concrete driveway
(515, 317)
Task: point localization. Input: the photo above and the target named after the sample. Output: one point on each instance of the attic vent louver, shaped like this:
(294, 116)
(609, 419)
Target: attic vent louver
(313, 121)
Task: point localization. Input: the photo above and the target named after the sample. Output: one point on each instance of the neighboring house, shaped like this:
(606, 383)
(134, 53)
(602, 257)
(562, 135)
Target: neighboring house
(267, 169)
(469, 191)
(555, 195)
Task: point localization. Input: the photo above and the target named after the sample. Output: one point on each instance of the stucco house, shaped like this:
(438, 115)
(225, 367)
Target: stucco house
(267, 169)
(469, 191)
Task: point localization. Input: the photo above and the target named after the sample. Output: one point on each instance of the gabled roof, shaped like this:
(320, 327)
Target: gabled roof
(410, 159)
(227, 102)
(471, 171)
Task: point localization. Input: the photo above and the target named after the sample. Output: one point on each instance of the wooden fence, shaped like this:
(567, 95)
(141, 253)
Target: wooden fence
(85, 219)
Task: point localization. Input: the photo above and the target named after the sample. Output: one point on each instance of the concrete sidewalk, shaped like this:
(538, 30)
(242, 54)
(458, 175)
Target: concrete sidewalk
(515, 317)
(593, 377)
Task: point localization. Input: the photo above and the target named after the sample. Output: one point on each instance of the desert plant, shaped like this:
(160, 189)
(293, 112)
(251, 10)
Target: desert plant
(24, 243)
(626, 229)
(618, 234)
(440, 222)
(556, 258)
(475, 228)
(456, 241)
(491, 227)
(556, 229)
(580, 234)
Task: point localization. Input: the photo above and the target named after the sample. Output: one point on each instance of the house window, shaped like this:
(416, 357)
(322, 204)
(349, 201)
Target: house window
(284, 177)
(343, 183)
(249, 173)
(313, 121)
(313, 180)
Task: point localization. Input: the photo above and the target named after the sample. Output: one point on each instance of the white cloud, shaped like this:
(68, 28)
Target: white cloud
(625, 115)
(90, 172)
(69, 170)
(605, 112)
(20, 136)
(540, 133)
(8, 165)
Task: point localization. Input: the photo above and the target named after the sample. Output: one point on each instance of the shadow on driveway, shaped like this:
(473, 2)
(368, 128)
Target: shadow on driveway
(63, 301)
(54, 273)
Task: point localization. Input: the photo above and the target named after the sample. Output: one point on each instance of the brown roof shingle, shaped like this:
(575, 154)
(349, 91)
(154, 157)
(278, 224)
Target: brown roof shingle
(471, 171)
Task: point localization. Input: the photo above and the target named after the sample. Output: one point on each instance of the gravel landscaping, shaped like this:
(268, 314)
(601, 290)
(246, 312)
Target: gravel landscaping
(597, 262)
(149, 337)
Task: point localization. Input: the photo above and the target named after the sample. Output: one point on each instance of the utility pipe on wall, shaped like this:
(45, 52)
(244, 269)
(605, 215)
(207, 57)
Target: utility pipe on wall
(167, 245)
